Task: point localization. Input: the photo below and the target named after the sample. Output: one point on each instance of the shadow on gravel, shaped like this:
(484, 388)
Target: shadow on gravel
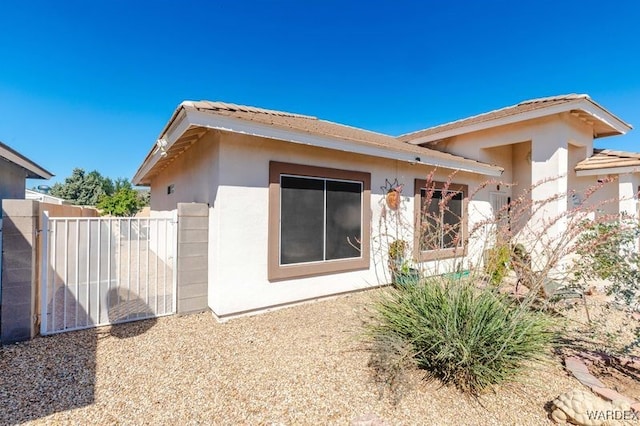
(126, 306)
(57, 373)
(49, 374)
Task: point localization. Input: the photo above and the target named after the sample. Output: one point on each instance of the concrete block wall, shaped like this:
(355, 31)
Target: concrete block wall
(18, 311)
(193, 257)
(20, 268)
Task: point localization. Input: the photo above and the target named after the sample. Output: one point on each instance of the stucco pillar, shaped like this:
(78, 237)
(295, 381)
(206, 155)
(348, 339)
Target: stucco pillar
(627, 191)
(628, 199)
(549, 177)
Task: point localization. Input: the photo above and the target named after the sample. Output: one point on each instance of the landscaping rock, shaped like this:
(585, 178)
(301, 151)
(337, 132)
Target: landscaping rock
(575, 364)
(576, 407)
(369, 419)
(611, 395)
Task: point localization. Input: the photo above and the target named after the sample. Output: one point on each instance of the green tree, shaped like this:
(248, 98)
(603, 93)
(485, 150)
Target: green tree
(124, 202)
(82, 188)
(144, 195)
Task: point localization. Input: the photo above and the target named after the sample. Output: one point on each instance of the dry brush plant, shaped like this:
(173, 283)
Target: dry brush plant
(609, 251)
(545, 241)
(451, 321)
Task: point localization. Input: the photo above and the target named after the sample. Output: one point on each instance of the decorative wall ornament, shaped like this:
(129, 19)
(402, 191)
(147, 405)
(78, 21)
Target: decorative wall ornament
(393, 191)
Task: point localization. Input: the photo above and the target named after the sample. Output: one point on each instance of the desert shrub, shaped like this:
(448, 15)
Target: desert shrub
(459, 334)
(608, 251)
(497, 263)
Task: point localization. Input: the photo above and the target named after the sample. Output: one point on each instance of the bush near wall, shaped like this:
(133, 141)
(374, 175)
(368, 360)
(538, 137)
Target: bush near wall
(468, 337)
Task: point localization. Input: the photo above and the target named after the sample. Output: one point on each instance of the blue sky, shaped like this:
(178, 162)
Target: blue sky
(92, 83)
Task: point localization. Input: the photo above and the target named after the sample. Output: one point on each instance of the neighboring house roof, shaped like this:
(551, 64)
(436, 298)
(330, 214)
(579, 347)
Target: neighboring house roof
(191, 119)
(604, 123)
(604, 161)
(32, 170)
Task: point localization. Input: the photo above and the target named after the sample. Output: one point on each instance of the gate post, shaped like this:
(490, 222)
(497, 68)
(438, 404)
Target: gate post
(193, 258)
(44, 269)
(19, 272)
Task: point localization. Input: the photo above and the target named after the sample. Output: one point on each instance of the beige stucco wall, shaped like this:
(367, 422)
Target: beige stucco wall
(194, 175)
(534, 142)
(12, 180)
(521, 173)
(628, 189)
(603, 196)
(544, 153)
(230, 172)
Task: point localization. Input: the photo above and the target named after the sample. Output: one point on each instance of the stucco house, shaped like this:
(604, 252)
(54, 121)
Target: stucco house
(15, 168)
(297, 204)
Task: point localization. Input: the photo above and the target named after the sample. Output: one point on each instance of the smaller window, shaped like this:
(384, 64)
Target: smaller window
(441, 220)
(171, 189)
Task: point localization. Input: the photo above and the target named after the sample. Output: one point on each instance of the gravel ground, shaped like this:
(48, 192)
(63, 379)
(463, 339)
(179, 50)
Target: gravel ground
(299, 365)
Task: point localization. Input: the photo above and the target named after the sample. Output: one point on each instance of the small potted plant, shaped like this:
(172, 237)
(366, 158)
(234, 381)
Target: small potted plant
(401, 271)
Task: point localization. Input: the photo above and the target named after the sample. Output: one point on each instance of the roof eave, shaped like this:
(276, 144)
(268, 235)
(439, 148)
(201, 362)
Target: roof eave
(607, 171)
(155, 153)
(32, 170)
(590, 107)
(616, 125)
(180, 123)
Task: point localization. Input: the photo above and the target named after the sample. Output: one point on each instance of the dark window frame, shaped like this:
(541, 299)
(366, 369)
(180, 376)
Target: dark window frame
(443, 253)
(276, 271)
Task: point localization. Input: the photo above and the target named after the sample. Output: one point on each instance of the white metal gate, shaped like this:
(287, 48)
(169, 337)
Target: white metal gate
(99, 271)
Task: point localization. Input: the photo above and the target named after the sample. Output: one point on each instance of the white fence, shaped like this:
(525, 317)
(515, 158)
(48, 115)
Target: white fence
(99, 271)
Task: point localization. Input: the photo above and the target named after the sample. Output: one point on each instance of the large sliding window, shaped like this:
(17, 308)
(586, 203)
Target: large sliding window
(322, 217)
(440, 219)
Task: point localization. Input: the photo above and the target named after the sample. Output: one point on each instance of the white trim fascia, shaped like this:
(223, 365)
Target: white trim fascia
(582, 104)
(172, 132)
(605, 117)
(609, 171)
(21, 161)
(235, 125)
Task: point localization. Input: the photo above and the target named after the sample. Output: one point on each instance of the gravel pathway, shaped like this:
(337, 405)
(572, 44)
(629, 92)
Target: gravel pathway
(299, 365)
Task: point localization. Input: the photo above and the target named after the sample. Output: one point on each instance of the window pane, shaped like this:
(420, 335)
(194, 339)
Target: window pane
(344, 219)
(452, 221)
(439, 229)
(431, 231)
(301, 220)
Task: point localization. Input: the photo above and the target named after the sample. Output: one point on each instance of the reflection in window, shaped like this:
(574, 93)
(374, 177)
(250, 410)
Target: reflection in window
(320, 219)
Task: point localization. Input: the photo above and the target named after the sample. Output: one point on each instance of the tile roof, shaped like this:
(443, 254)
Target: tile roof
(606, 159)
(313, 125)
(520, 108)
